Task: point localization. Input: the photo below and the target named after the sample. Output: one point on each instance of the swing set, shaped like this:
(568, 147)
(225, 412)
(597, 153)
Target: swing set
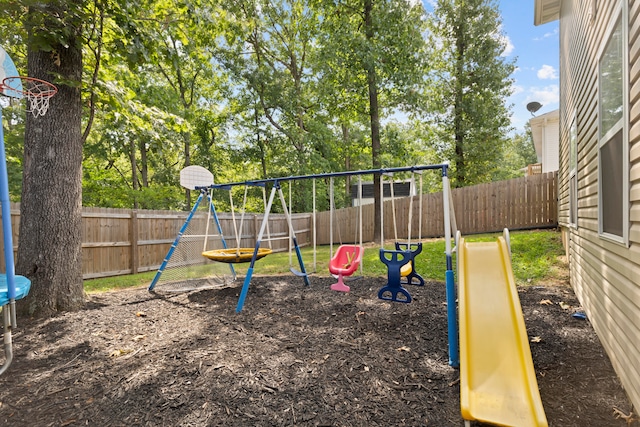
(344, 263)
(184, 268)
(198, 178)
(346, 260)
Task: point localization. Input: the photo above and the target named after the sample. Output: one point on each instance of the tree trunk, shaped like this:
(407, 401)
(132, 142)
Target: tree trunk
(458, 110)
(187, 162)
(144, 164)
(135, 182)
(375, 119)
(50, 250)
(347, 160)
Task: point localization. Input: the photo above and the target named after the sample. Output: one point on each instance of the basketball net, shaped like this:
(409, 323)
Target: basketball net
(38, 92)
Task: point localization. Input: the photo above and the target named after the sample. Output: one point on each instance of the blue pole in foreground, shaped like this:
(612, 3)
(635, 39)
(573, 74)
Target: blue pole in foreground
(6, 219)
(452, 320)
(452, 313)
(247, 278)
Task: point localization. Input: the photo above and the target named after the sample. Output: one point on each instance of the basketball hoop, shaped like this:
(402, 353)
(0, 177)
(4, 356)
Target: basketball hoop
(38, 92)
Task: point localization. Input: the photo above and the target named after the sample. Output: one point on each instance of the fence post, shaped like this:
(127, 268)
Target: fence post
(133, 224)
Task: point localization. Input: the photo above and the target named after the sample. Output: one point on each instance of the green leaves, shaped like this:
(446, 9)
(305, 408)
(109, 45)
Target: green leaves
(470, 80)
(257, 88)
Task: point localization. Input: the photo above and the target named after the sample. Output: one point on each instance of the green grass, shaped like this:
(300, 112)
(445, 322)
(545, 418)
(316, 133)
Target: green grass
(536, 258)
(104, 284)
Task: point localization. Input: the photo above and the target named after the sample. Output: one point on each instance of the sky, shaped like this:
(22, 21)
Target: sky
(536, 50)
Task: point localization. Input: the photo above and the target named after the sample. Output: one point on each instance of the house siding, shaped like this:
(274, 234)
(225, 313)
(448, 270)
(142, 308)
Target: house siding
(550, 147)
(545, 132)
(604, 275)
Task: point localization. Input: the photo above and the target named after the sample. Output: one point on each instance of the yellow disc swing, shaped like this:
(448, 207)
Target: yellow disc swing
(237, 254)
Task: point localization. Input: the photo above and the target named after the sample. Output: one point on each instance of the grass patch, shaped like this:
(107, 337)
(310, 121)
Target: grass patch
(536, 257)
(104, 284)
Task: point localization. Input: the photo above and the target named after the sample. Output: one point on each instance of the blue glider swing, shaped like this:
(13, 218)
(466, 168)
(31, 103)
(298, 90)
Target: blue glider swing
(400, 262)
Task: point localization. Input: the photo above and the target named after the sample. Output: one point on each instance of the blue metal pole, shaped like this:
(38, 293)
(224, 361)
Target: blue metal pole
(6, 219)
(174, 245)
(452, 318)
(303, 270)
(247, 279)
(294, 239)
(333, 174)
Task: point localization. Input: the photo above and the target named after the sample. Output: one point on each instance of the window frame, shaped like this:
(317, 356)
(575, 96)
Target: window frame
(622, 125)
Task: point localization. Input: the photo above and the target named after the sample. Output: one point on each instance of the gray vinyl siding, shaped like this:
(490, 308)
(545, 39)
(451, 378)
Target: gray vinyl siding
(604, 275)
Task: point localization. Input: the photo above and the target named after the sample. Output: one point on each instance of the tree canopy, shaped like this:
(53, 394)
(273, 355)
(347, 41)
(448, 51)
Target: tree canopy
(470, 81)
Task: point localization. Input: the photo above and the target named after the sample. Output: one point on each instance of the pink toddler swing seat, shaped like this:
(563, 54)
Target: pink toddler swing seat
(344, 263)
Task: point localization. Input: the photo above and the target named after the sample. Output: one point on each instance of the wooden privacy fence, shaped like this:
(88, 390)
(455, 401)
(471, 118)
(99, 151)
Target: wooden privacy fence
(124, 241)
(517, 204)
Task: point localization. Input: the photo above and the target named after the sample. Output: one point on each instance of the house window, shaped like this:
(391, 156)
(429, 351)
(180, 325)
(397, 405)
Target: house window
(573, 173)
(613, 145)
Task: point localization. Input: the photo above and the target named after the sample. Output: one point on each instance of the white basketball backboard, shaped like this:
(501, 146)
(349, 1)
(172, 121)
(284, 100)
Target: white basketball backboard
(195, 176)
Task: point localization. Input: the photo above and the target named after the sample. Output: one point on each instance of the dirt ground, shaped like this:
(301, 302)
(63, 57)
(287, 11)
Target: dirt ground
(295, 355)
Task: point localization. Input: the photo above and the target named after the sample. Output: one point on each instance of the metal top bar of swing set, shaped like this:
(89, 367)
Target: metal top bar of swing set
(384, 171)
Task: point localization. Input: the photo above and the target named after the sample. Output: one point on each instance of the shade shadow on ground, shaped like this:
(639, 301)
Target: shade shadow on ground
(296, 355)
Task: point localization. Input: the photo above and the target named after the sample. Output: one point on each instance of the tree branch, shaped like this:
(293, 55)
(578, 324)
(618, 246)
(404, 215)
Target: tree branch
(97, 52)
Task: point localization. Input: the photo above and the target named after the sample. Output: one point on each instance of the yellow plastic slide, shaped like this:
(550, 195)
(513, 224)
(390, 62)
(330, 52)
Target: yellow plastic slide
(497, 379)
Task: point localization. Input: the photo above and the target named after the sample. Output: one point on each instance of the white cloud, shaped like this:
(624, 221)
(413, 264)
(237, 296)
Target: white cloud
(503, 38)
(548, 35)
(508, 46)
(547, 95)
(547, 72)
(516, 90)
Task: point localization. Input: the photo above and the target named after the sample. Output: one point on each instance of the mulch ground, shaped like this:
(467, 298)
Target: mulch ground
(295, 355)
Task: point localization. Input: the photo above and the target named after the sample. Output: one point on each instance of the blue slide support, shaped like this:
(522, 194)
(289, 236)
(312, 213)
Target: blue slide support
(452, 318)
